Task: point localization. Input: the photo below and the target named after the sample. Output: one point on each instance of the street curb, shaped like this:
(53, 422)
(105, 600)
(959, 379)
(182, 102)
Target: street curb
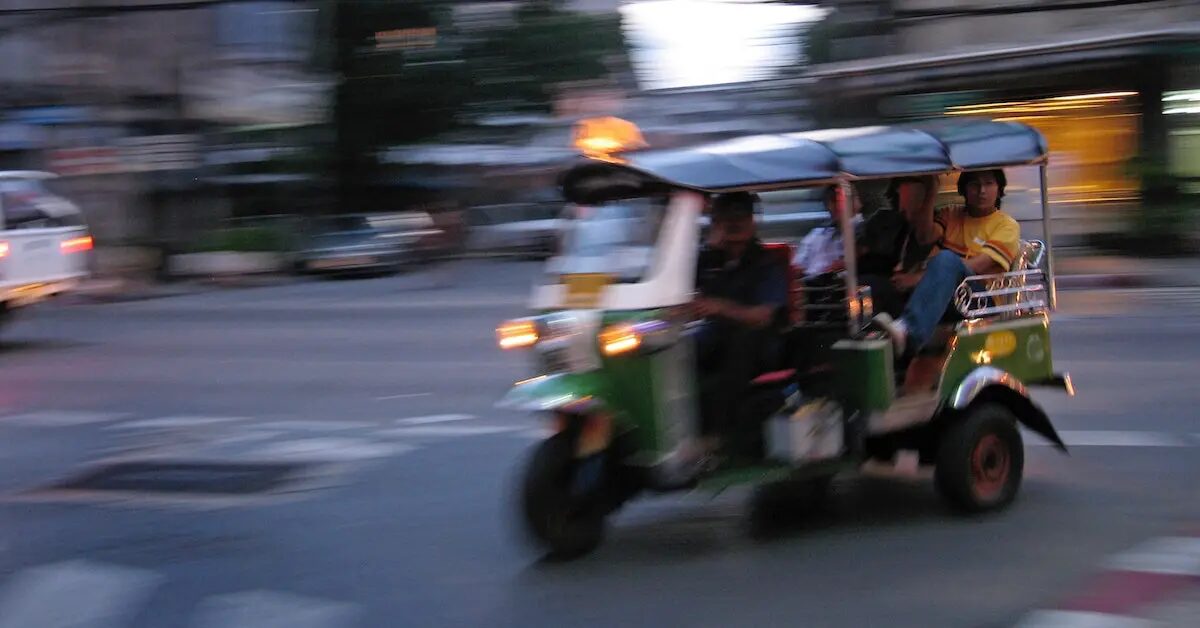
(121, 291)
(1130, 280)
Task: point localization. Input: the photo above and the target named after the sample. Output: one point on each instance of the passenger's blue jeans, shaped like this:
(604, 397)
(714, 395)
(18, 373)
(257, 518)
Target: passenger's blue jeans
(932, 296)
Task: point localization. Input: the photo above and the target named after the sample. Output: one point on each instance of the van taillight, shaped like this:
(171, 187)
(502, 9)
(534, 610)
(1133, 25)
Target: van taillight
(3, 249)
(77, 245)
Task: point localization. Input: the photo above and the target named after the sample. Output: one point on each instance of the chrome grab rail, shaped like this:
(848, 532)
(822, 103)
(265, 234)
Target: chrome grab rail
(1026, 290)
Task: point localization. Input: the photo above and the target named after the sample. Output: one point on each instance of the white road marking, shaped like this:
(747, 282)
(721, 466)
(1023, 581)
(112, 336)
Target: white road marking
(448, 431)
(1173, 556)
(403, 396)
(50, 418)
(315, 426)
(1082, 619)
(1118, 438)
(75, 594)
(436, 418)
(273, 609)
(174, 422)
(246, 437)
(536, 433)
(338, 449)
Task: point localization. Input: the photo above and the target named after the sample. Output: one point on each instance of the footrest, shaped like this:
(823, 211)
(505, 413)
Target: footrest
(774, 377)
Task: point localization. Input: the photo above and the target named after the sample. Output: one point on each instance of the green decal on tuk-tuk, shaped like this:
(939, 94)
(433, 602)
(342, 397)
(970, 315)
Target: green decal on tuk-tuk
(1020, 347)
(650, 392)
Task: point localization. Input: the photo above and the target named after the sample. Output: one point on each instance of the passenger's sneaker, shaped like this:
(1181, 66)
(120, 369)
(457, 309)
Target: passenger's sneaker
(896, 330)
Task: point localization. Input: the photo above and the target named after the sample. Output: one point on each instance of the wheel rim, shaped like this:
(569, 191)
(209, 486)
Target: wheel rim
(990, 467)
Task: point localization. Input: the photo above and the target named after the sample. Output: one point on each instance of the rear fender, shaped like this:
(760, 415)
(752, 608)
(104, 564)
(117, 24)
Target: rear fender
(991, 385)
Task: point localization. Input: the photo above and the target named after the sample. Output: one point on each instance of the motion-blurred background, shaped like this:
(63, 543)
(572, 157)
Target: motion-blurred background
(182, 126)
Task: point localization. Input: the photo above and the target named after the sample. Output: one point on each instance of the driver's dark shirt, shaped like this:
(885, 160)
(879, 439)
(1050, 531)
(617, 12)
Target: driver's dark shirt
(751, 281)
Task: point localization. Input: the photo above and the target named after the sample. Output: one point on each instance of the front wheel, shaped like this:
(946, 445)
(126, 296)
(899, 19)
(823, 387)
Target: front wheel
(565, 523)
(980, 460)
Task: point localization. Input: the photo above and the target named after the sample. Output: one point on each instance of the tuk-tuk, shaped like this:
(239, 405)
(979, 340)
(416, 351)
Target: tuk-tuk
(614, 350)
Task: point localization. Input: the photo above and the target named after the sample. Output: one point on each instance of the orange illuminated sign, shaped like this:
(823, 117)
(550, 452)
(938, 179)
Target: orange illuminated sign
(601, 137)
(406, 39)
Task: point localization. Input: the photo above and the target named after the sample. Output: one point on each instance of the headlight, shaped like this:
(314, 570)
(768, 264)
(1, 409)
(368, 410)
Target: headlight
(649, 335)
(518, 334)
(620, 339)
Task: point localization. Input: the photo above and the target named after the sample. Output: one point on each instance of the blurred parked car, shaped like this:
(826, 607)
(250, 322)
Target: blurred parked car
(516, 228)
(365, 243)
(45, 244)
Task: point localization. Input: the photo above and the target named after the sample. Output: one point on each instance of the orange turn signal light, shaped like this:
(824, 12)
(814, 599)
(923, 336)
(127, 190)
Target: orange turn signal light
(517, 334)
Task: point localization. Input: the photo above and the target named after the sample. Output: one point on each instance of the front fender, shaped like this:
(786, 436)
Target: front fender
(992, 385)
(548, 393)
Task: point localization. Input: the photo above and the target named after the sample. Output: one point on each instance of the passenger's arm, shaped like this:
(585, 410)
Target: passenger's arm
(927, 230)
(755, 316)
(772, 296)
(984, 264)
(1002, 244)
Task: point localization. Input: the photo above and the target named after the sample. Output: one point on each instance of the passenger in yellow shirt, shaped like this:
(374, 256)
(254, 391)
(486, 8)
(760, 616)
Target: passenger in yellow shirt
(975, 239)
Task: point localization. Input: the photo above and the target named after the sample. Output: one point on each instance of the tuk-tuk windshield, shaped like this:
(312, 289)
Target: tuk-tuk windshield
(615, 238)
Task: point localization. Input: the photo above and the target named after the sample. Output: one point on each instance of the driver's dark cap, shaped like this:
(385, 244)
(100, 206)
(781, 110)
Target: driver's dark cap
(733, 205)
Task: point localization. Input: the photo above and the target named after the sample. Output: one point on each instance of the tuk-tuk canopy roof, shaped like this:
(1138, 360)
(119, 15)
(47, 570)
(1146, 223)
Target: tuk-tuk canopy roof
(762, 162)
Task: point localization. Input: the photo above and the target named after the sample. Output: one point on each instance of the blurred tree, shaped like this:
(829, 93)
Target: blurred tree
(816, 40)
(400, 79)
(520, 63)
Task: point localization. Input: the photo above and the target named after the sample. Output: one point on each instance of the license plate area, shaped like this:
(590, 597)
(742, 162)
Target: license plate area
(555, 359)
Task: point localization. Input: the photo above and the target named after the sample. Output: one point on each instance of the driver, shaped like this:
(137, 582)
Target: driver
(742, 296)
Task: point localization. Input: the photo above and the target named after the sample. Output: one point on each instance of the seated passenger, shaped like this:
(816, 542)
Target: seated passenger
(742, 296)
(821, 251)
(975, 239)
(891, 260)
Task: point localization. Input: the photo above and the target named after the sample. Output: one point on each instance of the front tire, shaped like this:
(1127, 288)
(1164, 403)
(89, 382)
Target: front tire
(565, 525)
(981, 460)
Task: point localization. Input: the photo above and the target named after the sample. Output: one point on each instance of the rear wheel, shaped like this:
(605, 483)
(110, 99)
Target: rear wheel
(981, 460)
(565, 524)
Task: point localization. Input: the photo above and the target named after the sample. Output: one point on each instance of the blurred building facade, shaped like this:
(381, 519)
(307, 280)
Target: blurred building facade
(141, 107)
(1107, 81)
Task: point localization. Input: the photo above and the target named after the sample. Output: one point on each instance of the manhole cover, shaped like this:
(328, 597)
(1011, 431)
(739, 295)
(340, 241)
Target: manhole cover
(187, 478)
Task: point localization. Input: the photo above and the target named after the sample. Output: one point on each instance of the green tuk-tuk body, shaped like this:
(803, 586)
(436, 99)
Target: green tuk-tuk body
(613, 343)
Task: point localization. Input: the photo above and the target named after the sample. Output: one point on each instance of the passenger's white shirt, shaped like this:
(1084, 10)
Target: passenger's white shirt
(819, 250)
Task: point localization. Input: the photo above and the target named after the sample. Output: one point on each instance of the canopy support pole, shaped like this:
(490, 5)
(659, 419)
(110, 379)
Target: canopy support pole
(1051, 291)
(849, 254)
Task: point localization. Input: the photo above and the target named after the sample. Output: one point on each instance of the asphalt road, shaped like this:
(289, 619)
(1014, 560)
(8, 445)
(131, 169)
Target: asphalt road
(381, 392)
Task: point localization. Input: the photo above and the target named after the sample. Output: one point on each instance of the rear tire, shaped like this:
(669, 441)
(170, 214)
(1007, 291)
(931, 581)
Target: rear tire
(566, 527)
(981, 460)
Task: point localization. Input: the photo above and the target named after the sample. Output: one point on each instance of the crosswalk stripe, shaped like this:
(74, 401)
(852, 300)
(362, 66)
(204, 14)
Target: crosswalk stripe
(448, 430)
(273, 609)
(1121, 438)
(435, 418)
(315, 426)
(340, 449)
(1175, 556)
(75, 594)
(51, 418)
(1082, 619)
(174, 422)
